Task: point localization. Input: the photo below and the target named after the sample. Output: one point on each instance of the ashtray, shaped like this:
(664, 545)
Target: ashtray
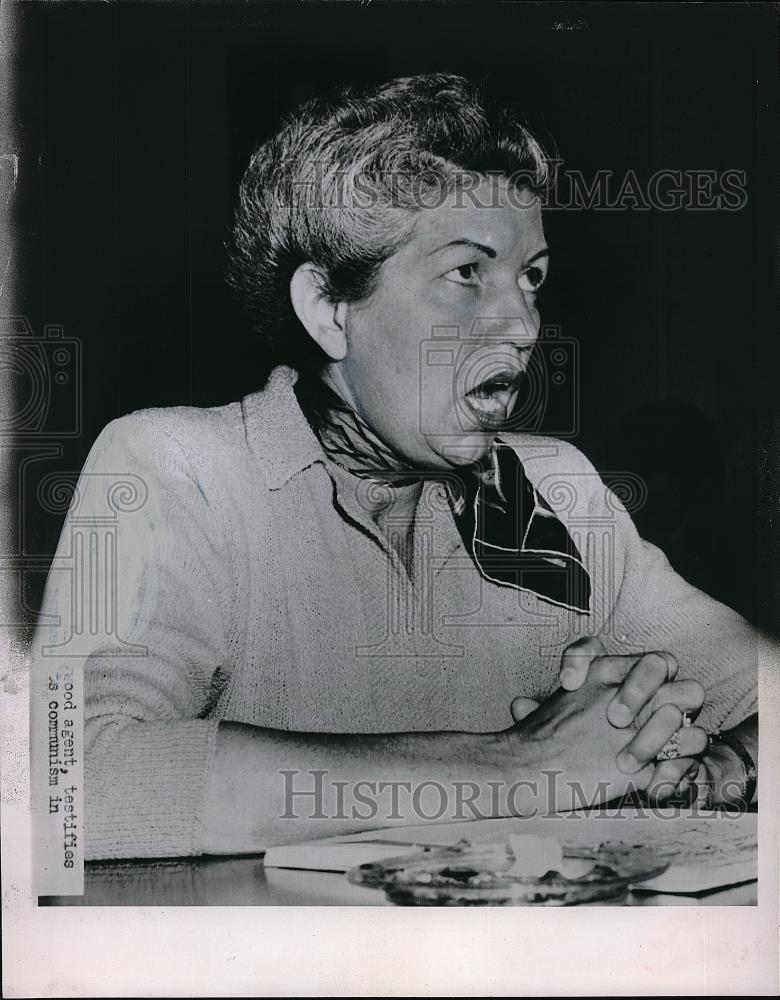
(486, 875)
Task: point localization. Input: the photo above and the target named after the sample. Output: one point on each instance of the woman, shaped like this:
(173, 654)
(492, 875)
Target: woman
(363, 573)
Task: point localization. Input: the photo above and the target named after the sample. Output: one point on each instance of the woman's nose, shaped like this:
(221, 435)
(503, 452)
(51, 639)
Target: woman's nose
(518, 320)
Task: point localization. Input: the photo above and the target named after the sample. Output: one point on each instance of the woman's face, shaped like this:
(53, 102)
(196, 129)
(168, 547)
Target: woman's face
(435, 353)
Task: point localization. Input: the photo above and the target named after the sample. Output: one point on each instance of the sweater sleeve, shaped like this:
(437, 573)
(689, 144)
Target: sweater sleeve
(657, 609)
(141, 588)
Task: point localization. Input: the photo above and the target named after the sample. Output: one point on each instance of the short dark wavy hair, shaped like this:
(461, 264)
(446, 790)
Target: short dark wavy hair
(342, 182)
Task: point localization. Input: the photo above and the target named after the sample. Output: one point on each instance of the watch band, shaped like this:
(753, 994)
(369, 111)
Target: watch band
(728, 739)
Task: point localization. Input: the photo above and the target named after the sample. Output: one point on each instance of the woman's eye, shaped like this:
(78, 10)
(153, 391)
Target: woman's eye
(532, 279)
(466, 274)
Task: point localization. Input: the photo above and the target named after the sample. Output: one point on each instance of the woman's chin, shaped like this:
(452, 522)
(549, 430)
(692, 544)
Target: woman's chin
(466, 448)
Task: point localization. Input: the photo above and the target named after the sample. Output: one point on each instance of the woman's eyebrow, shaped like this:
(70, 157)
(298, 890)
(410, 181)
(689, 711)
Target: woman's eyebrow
(488, 251)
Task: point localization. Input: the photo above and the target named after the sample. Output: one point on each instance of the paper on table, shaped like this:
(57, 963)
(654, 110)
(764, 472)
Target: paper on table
(704, 850)
(329, 857)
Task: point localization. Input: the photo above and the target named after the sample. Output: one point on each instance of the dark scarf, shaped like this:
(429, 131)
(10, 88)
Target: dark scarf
(507, 527)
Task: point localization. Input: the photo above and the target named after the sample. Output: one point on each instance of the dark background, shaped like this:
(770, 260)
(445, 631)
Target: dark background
(134, 124)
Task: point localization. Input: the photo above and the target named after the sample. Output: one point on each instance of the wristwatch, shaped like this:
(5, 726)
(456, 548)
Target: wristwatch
(728, 739)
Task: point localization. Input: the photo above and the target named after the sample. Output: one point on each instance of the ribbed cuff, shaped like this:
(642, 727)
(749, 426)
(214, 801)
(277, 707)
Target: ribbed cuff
(145, 786)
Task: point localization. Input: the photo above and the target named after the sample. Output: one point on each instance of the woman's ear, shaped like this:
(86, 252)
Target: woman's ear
(322, 318)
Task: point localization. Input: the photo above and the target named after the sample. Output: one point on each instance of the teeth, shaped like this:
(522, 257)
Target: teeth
(492, 402)
(489, 388)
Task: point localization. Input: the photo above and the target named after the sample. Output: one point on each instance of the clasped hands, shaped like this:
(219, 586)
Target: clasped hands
(611, 719)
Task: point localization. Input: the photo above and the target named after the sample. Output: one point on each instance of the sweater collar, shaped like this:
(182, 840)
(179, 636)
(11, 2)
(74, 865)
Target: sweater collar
(277, 432)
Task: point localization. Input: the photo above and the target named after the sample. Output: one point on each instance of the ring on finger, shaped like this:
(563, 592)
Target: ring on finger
(671, 749)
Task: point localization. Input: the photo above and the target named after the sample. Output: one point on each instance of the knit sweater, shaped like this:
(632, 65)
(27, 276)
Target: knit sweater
(251, 584)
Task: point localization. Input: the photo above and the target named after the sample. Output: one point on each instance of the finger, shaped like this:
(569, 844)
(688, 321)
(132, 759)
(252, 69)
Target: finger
(672, 779)
(687, 695)
(643, 682)
(521, 707)
(644, 747)
(576, 661)
(688, 741)
(672, 664)
(611, 669)
(614, 669)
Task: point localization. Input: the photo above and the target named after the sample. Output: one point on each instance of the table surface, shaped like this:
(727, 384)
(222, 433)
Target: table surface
(244, 881)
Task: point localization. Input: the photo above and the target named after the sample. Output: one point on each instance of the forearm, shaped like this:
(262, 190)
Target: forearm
(236, 788)
(269, 787)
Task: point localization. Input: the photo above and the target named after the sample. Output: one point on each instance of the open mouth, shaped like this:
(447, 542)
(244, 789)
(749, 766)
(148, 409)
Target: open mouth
(493, 400)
